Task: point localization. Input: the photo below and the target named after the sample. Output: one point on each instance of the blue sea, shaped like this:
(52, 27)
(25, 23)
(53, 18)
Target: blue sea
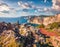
(14, 20)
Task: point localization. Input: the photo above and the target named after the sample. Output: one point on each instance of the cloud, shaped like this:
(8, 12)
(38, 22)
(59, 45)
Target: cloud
(8, 15)
(55, 8)
(42, 9)
(28, 8)
(24, 5)
(56, 4)
(45, 1)
(4, 7)
(7, 11)
(24, 13)
(4, 11)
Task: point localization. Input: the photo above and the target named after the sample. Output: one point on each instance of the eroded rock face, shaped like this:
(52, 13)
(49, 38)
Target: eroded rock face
(46, 20)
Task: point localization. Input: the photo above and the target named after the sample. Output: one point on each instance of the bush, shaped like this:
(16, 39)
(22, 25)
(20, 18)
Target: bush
(41, 26)
(54, 25)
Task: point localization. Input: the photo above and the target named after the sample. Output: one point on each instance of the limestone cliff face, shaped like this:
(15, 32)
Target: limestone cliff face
(35, 20)
(46, 20)
(58, 17)
(51, 19)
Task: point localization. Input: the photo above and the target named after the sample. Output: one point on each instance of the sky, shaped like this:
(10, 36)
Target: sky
(18, 8)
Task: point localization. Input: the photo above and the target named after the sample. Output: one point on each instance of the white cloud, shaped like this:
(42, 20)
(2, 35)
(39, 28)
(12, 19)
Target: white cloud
(56, 6)
(4, 7)
(42, 9)
(29, 6)
(45, 1)
(24, 13)
(45, 9)
(11, 14)
(24, 5)
(6, 11)
(18, 11)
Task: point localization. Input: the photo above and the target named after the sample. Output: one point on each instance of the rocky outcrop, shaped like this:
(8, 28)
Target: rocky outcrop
(45, 20)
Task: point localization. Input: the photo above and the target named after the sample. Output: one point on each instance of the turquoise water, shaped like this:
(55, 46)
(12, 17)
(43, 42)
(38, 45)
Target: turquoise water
(32, 24)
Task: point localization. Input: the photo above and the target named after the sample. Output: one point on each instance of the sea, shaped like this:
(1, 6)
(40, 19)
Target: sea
(14, 20)
(22, 20)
